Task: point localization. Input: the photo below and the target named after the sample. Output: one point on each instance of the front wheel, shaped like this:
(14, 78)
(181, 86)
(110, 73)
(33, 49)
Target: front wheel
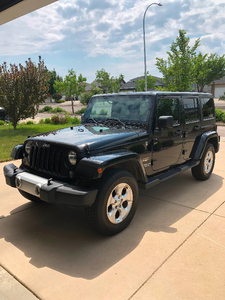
(204, 169)
(116, 202)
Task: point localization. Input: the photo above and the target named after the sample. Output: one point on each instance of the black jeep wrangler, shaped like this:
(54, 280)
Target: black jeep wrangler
(125, 141)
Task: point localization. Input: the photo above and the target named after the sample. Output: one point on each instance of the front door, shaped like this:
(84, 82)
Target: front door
(167, 142)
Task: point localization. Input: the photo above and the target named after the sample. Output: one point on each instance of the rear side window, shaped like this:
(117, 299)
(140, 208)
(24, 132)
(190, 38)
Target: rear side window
(207, 108)
(191, 110)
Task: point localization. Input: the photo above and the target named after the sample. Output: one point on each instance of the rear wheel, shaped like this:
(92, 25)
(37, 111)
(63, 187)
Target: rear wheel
(204, 169)
(116, 202)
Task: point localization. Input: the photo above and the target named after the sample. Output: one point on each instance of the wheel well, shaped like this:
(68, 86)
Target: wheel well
(214, 142)
(131, 167)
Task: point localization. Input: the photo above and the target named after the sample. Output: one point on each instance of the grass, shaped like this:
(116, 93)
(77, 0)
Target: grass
(10, 138)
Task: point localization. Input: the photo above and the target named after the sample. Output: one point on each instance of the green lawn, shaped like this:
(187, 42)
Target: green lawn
(10, 138)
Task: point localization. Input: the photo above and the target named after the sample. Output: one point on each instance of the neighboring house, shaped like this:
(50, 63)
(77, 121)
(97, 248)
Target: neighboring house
(130, 85)
(99, 85)
(218, 87)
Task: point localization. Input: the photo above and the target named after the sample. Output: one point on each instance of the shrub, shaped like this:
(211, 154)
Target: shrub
(222, 97)
(46, 108)
(220, 115)
(55, 120)
(2, 122)
(30, 122)
(81, 111)
(42, 121)
(58, 110)
(57, 96)
(47, 121)
(75, 120)
(60, 101)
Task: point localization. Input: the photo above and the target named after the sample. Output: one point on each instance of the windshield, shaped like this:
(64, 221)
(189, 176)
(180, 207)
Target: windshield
(128, 108)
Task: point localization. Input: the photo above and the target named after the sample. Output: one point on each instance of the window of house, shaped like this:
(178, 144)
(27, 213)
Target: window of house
(207, 108)
(191, 110)
(169, 107)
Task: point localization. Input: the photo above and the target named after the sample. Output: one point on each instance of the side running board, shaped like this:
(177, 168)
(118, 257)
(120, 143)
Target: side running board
(168, 174)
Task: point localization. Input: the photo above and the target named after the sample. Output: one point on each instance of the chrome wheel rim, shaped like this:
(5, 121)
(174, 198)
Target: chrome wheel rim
(119, 203)
(208, 162)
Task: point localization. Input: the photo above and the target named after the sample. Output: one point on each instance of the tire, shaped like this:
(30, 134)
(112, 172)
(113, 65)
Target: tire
(6, 118)
(204, 169)
(29, 196)
(115, 204)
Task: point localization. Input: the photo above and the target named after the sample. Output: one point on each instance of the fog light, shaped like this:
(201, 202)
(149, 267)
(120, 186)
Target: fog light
(37, 189)
(18, 182)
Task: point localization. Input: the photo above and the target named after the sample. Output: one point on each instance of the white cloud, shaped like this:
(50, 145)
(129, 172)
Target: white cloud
(110, 28)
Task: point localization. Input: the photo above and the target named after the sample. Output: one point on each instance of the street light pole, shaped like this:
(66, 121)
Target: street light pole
(159, 4)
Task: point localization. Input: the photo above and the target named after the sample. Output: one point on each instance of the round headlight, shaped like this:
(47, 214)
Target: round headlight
(72, 156)
(28, 148)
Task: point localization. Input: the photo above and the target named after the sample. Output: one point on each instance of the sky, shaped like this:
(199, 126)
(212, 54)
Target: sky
(88, 35)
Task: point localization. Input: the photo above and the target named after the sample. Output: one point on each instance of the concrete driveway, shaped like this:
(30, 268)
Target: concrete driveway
(173, 249)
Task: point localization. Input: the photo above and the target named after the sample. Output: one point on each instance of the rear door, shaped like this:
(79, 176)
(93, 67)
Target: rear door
(192, 123)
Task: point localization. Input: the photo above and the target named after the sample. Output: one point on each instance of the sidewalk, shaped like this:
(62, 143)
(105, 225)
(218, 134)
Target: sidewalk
(173, 249)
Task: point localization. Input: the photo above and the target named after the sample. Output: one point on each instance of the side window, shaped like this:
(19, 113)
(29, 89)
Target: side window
(191, 110)
(207, 108)
(168, 107)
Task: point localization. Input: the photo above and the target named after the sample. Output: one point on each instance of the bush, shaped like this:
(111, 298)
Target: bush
(103, 112)
(75, 120)
(2, 122)
(58, 110)
(55, 120)
(46, 108)
(81, 111)
(220, 115)
(47, 121)
(30, 122)
(222, 97)
(60, 101)
(42, 121)
(57, 96)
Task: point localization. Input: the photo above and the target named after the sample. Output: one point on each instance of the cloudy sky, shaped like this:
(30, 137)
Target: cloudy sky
(88, 35)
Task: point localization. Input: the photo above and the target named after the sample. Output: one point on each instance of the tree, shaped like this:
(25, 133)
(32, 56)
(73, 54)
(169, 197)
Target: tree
(107, 83)
(140, 84)
(57, 96)
(22, 89)
(72, 86)
(103, 78)
(52, 77)
(179, 70)
(85, 97)
(208, 68)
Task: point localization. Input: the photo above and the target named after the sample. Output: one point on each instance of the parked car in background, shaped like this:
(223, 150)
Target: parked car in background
(3, 115)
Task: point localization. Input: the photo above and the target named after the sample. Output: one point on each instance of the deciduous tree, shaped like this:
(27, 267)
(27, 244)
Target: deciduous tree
(23, 89)
(72, 86)
(179, 70)
(140, 84)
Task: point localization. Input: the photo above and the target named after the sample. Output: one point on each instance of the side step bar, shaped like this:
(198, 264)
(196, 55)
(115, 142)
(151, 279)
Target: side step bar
(168, 174)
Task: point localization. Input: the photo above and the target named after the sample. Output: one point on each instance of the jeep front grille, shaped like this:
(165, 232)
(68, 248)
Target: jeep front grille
(46, 159)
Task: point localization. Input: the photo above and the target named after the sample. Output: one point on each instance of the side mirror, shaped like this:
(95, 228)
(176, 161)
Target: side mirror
(165, 122)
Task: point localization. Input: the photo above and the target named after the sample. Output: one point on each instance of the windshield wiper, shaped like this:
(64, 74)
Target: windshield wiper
(115, 119)
(92, 119)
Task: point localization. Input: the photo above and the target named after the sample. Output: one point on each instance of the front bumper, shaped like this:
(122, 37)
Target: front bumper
(48, 190)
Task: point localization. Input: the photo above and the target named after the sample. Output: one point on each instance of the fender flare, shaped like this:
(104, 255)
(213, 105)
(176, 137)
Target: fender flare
(202, 142)
(94, 166)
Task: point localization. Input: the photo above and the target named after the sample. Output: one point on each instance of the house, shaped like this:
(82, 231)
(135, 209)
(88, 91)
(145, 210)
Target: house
(130, 85)
(218, 87)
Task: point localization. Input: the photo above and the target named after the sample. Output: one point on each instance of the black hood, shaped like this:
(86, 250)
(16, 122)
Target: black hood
(96, 137)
